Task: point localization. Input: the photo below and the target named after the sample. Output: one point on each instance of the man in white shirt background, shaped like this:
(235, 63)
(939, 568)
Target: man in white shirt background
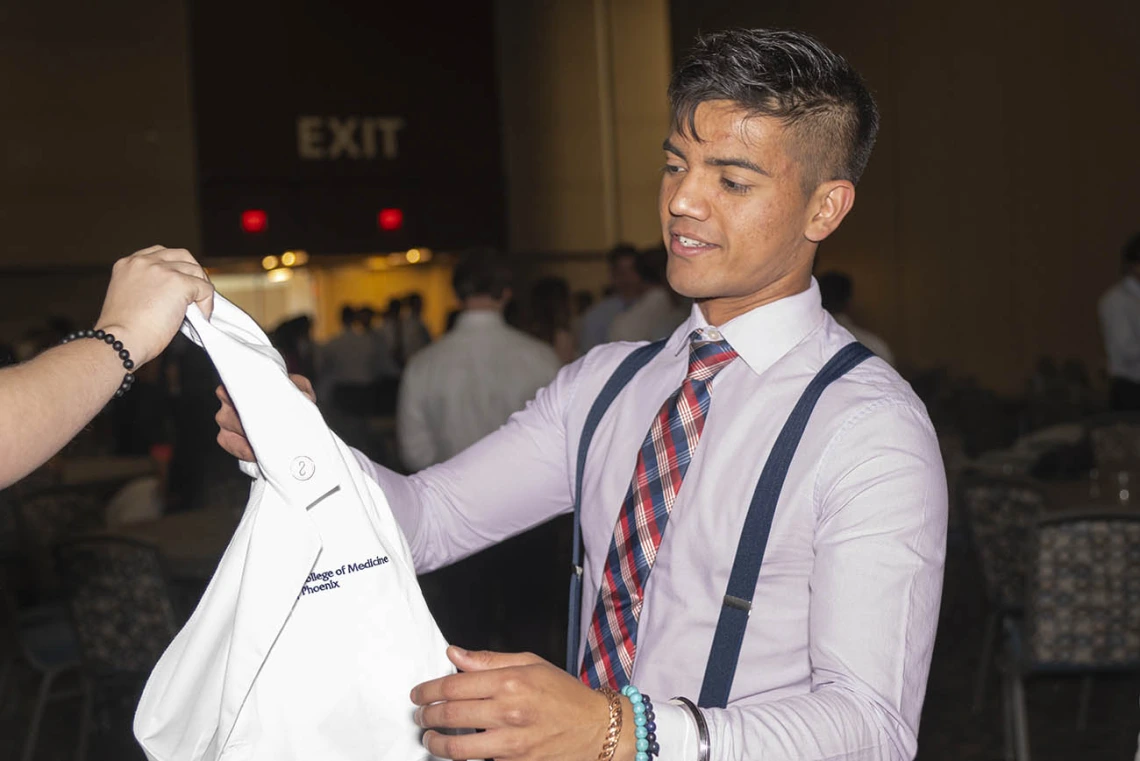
(1119, 312)
(837, 291)
(627, 285)
(465, 385)
(453, 393)
(770, 133)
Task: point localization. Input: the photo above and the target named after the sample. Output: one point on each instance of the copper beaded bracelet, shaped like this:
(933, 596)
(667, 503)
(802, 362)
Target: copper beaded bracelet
(110, 340)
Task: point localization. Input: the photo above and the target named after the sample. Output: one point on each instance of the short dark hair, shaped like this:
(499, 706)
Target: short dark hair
(481, 272)
(621, 251)
(792, 77)
(1131, 251)
(347, 315)
(835, 291)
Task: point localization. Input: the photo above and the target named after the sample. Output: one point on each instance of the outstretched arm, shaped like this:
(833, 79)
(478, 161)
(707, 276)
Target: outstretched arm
(45, 401)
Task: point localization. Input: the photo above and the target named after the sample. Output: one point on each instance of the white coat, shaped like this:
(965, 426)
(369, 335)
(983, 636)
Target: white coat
(313, 630)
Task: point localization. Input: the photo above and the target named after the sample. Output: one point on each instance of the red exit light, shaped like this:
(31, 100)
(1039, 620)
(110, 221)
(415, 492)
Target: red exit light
(390, 219)
(254, 221)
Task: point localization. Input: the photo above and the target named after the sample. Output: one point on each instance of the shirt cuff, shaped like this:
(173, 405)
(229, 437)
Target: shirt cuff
(676, 732)
(249, 468)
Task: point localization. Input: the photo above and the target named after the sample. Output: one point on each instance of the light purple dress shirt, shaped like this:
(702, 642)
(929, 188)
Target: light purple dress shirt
(835, 659)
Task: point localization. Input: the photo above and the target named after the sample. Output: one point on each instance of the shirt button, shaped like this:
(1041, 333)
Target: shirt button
(713, 334)
(302, 468)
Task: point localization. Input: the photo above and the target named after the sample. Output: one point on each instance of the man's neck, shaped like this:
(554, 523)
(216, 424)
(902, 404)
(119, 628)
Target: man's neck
(483, 304)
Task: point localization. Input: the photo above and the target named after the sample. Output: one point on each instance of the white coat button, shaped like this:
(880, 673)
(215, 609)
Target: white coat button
(302, 468)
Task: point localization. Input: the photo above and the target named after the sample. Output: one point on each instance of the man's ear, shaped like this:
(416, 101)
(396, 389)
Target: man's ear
(829, 206)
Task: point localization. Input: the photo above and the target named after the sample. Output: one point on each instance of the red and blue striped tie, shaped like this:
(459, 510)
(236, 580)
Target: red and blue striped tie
(611, 640)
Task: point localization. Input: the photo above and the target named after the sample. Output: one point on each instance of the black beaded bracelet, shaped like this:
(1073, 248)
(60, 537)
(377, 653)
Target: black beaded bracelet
(110, 340)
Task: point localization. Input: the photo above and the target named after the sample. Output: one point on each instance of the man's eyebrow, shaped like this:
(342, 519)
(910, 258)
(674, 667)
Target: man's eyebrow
(668, 147)
(741, 163)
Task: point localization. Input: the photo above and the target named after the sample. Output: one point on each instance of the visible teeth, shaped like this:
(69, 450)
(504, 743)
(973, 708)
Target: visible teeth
(689, 242)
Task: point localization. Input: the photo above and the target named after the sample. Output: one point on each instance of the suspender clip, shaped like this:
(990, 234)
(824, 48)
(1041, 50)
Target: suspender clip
(738, 603)
(577, 569)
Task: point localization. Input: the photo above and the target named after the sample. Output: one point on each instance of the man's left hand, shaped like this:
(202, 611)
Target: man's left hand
(529, 708)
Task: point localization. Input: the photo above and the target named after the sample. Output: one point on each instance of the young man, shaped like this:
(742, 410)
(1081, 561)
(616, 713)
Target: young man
(46, 401)
(770, 133)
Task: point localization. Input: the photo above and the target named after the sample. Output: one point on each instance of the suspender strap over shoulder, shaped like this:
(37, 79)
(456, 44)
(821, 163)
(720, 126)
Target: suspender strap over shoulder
(725, 653)
(628, 368)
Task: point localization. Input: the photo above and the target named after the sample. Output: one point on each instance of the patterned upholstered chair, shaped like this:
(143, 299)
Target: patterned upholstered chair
(40, 635)
(1115, 440)
(1001, 513)
(122, 614)
(1082, 613)
(49, 516)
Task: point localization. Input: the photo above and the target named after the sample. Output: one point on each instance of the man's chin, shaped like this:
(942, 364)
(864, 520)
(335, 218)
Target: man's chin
(690, 288)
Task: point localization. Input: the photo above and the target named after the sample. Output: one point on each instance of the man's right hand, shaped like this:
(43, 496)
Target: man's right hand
(231, 434)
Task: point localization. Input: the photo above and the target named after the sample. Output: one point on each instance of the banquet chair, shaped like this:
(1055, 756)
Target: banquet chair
(1082, 608)
(1000, 512)
(122, 614)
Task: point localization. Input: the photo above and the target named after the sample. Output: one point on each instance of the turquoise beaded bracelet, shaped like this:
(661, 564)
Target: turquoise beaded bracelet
(644, 723)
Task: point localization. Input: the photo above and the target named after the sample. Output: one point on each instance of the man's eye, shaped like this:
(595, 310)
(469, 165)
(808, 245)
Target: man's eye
(672, 169)
(733, 187)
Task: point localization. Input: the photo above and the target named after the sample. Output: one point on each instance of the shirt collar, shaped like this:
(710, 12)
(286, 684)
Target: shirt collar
(765, 334)
(479, 318)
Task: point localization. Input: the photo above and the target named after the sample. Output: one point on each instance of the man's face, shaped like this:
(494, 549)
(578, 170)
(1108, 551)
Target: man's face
(626, 279)
(734, 213)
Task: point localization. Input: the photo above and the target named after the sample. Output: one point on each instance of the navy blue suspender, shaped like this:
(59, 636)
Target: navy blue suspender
(737, 604)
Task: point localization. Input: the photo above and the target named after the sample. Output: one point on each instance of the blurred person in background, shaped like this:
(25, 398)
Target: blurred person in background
(659, 309)
(346, 367)
(453, 393)
(626, 287)
(550, 316)
(294, 340)
(580, 304)
(393, 334)
(46, 400)
(414, 334)
(468, 383)
(583, 300)
(1119, 312)
(837, 290)
(385, 370)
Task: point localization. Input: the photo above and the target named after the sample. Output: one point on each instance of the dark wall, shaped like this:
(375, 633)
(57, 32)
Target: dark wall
(1005, 180)
(324, 113)
(96, 156)
(95, 147)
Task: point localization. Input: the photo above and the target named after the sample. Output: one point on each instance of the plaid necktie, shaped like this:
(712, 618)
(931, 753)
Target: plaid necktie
(661, 464)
